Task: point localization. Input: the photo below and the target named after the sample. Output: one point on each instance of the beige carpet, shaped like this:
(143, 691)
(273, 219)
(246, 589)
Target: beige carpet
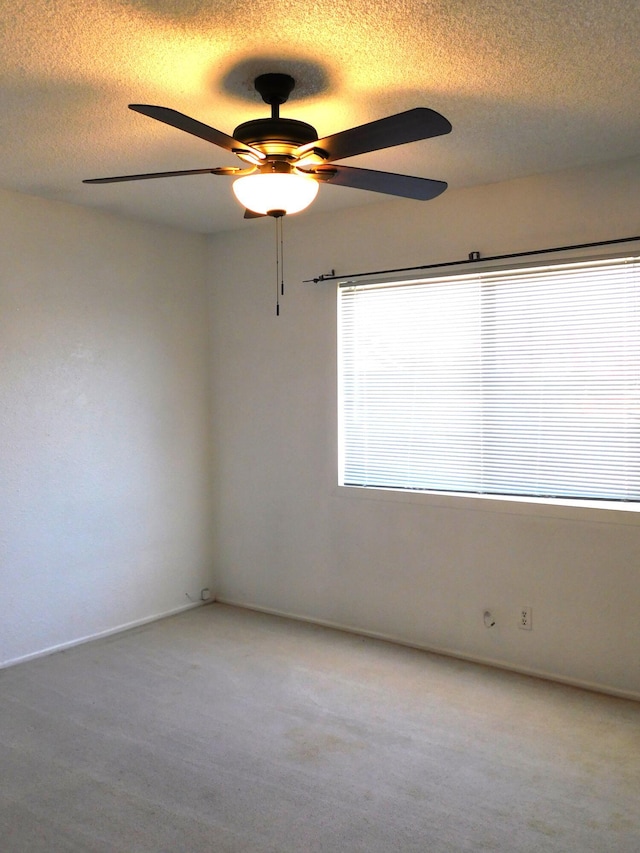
(224, 730)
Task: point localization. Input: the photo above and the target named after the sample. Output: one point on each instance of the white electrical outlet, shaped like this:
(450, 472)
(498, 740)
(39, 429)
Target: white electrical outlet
(525, 620)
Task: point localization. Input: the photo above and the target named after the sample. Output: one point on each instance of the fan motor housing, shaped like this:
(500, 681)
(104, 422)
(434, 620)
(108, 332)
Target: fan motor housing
(275, 135)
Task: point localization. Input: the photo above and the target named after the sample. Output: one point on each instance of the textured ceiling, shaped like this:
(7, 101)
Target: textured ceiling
(528, 87)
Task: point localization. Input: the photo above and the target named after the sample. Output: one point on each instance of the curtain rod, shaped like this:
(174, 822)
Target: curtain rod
(474, 257)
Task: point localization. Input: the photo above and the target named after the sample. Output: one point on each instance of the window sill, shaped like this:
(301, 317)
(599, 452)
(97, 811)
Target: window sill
(605, 512)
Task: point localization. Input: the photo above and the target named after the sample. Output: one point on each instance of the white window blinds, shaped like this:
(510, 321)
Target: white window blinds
(516, 382)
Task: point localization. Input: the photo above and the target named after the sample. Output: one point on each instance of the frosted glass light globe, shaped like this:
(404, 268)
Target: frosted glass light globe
(278, 191)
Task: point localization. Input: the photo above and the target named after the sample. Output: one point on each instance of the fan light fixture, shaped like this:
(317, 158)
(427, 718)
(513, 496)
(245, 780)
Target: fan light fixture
(282, 192)
(285, 161)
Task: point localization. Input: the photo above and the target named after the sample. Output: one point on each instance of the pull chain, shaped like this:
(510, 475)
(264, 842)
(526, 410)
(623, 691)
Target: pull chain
(281, 223)
(277, 272)
(279, 216)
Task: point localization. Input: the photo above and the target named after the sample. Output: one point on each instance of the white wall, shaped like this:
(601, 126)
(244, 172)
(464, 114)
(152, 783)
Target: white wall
(420, 570)
(104, 409)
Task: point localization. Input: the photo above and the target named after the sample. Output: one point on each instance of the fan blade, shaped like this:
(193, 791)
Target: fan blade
(405, 186)
(419, 123)
(251, 214)
(195, 128)
(219, 170)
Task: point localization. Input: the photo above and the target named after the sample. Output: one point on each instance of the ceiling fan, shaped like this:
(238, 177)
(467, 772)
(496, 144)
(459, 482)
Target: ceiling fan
(285, 160)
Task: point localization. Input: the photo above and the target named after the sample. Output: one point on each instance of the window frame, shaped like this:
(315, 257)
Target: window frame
(443, 497)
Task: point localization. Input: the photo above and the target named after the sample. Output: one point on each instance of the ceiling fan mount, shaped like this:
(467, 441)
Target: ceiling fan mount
(281, 146)
(274, 89)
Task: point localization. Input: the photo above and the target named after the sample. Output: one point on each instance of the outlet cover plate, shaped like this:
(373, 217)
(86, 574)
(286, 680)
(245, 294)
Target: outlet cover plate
(525, 619)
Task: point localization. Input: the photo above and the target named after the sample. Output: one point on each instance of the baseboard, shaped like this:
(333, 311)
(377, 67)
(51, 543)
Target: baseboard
(452, 653)
(50, 650)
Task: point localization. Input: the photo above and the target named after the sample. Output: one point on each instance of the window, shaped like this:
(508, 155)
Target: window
(507, 382)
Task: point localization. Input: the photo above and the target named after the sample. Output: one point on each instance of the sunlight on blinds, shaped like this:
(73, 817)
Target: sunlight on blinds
(523, 382)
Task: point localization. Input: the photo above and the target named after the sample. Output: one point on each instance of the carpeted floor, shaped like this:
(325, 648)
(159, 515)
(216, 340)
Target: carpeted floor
(225, 730)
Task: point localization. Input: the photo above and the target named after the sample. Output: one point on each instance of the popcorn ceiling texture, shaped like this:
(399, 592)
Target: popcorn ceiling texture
(529, 87)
